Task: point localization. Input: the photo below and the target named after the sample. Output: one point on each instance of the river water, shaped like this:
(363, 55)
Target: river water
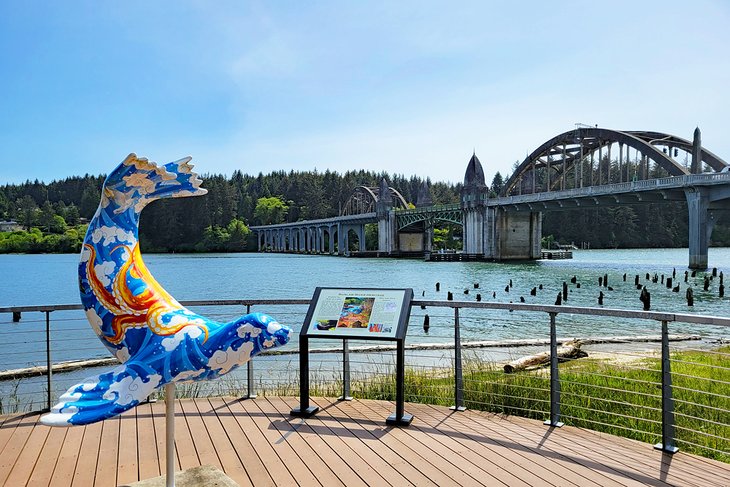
(51, 279)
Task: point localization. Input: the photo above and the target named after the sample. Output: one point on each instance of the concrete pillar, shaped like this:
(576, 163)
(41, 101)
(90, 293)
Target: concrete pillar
(428, 237)
(340, 239)
(346, 239)
(474, 230)
(331, 234)
(519, 235)
(700, 226)
(387, 233)
(361, 238)
(536, 235)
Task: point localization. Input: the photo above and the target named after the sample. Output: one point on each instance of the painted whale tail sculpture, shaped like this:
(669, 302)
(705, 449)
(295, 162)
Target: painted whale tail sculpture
(157, 340)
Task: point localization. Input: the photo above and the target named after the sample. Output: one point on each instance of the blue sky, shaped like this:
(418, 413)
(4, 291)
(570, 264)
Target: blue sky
(407, 87)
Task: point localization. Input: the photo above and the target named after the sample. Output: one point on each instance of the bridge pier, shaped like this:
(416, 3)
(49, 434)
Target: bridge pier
(518, 235)
(700, 226)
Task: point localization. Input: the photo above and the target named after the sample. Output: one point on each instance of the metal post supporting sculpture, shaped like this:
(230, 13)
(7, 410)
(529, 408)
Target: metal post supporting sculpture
(158, 341)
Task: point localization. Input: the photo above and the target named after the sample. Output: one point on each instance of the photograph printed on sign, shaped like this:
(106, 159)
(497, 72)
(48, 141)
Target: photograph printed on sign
(355, 312)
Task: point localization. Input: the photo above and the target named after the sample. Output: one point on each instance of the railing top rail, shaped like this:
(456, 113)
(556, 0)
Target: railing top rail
(544, 308)
(204, 302)
(619, 313)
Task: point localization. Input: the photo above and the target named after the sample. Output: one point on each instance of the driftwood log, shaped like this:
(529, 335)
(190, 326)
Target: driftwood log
(567, 351)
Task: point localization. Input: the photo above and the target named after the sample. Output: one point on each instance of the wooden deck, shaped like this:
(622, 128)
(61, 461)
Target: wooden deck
(256, 442)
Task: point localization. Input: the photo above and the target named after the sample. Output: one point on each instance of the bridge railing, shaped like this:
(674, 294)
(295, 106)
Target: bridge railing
(643, 385)
(607, 189)
(432, 209)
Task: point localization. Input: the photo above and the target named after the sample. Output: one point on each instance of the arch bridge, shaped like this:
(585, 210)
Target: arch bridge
(585, 167)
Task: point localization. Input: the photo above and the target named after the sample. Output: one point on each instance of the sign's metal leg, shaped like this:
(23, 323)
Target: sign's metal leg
(345, 371)
(400, 418)
(304, 410)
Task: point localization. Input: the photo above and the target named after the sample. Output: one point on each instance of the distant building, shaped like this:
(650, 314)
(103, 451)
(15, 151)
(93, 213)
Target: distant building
(10, 226)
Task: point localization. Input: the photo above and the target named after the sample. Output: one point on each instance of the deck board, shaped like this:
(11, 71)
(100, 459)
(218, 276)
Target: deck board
(147, 452)
(225, 449)
(21, 432)
(85, 467)
(257, 443)
(256, 471)
(63, 471)
(543, 464)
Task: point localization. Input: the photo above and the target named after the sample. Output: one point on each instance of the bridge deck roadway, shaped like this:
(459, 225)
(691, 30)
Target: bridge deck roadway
(664, 189)
(347, 220)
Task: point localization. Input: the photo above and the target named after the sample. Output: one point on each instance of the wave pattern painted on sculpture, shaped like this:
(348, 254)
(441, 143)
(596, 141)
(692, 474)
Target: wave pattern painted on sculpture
(157, 340)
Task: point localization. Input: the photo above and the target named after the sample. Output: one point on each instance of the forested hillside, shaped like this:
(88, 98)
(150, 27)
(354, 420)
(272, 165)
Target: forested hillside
(53, 214)
(50, 213)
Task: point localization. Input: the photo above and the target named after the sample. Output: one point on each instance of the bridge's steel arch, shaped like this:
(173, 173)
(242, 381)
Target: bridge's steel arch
(430, 215)
(555, 158)
(363, 200)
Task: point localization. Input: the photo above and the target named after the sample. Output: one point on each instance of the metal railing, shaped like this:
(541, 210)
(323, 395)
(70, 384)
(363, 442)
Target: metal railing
(699, 400)
(677, 182)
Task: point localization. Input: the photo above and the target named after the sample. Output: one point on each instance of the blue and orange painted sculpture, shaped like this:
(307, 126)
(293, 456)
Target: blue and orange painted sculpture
(157, 340)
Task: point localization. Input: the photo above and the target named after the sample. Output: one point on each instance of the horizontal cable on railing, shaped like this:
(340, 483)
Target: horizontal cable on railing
(612, 389)
(698, 391)
(704, 447)
(627, 379)
(704, 406)
(708, 352)
(505, 406)
(609, 413)
(719, 367)
(704, 420)
(499, 394)
(609, 425)
(697, 377)
(698, 432)
(501, 384)
(610, 401)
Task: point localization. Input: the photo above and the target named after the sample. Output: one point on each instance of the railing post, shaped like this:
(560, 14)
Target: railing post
(554, 420)
(345, 371)
(250, 393)
(667, 444)
(49, 364)
(458, 373)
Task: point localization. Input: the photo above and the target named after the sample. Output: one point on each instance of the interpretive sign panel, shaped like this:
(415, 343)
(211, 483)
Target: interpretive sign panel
(379, 314)
(360, 314)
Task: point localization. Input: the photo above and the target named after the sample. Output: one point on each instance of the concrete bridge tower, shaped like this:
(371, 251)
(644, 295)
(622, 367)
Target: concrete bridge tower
(473, 204)
(387, 236)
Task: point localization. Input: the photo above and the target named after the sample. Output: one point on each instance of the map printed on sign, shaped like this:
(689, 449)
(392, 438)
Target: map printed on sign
(357, 313)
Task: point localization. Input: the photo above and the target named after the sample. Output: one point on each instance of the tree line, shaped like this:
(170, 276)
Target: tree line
(53, 215)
